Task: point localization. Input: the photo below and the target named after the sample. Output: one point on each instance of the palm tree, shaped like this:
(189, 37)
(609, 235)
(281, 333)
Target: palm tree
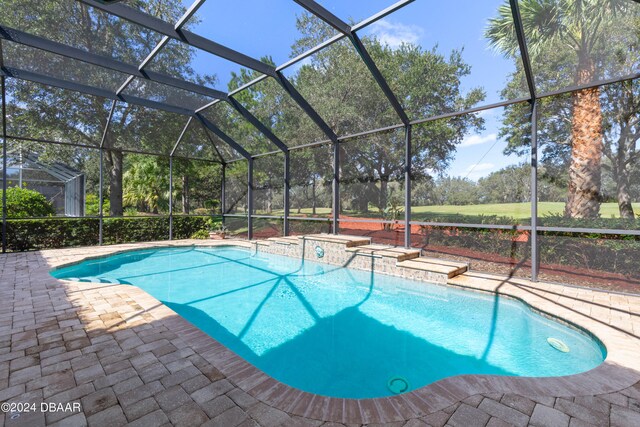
(580, 26)
(145, 184)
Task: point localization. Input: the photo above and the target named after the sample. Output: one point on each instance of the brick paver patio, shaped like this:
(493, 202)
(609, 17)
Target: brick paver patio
(128, 359)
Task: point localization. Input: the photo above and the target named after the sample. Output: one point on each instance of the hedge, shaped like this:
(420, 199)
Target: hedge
(605, 252)
(47, 233)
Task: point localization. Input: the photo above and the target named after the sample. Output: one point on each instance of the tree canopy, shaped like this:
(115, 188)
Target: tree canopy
(571, 42)
(590, 132)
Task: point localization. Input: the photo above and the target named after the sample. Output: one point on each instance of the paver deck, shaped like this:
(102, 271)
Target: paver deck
(128, 359)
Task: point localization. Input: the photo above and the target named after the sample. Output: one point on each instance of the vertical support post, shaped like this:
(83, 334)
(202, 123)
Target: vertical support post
(21, 160)
(336, 187)
(4, 165)
(100, 193)
(250, 199)
(535, 262)
(407, 186)
(83, 208)
(287, 186)
(170, 197)
(100, 197)
(223, 203)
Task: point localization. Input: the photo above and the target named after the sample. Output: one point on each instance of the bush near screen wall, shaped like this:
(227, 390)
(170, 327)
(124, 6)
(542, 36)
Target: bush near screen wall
(48, 233)
(24, 203)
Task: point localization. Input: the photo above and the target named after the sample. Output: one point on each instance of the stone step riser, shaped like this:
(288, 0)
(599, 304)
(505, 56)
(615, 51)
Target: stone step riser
(359, 253)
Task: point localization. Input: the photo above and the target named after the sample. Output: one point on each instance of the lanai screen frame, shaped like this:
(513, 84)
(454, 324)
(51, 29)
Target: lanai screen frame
(175, 31)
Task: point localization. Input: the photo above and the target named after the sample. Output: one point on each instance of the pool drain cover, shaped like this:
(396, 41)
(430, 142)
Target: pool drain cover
(558, 345)
(397, 385)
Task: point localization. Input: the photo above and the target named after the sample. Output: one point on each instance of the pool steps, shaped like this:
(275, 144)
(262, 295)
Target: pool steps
(450, 268)
(386, 251)
(406, 259)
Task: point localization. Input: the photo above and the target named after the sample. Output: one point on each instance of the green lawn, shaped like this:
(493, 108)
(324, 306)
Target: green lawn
(513, 210)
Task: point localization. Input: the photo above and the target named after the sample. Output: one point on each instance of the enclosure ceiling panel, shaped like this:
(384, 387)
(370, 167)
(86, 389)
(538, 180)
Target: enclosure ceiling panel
(170, 30)
(197, 144)
(83, 27)
(237, 128)
(428, 50)
(72, 117)
(460, 60)
(338, 85)
(49, 64)
(258, 34)
(355, 11)
(589, 33)
(268, 101)
(144, 129)
(170, 14)
(166, 94)
(180, 60)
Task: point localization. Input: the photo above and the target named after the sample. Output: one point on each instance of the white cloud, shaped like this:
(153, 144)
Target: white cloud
(480, 167)
(478, 139)
(394, 34)
(477, 171)
(487, 113)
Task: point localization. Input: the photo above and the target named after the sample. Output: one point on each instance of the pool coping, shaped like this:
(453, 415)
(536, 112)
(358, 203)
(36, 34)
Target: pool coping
(620, 369)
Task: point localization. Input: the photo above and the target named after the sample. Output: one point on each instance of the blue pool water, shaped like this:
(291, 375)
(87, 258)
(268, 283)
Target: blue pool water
(341, 332)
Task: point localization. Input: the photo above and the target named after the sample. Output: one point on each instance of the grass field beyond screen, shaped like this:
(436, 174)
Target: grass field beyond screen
(514, 210)
(511, 210)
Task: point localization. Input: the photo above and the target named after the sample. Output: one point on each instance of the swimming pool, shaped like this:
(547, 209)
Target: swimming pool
(341, 332)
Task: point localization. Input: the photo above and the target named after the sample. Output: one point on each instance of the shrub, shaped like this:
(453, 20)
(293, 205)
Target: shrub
(202, 211)
(130, 211)
(200, 234)
(23, 203)
(27, 234)
(92, 205)
(185, 226)
(30, 234)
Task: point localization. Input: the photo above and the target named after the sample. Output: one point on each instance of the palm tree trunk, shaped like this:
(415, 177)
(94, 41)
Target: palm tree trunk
(586, 152)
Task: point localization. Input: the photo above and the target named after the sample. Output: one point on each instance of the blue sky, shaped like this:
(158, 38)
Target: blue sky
(261, 27)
